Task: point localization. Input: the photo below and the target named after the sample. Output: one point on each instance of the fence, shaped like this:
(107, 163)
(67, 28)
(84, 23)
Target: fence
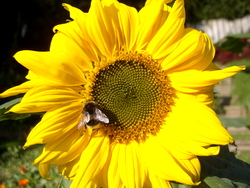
(219, 28)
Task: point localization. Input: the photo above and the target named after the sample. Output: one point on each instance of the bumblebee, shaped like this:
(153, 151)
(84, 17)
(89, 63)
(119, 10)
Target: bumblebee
(92, 116)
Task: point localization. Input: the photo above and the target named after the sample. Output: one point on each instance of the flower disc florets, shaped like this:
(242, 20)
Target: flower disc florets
(134, 93)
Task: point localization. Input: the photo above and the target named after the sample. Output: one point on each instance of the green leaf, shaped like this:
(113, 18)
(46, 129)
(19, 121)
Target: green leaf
(241, 35)
(64, 183)
(10, 103)
(224, 170)
(217, 182)
(248, 8)
(12, 116)
(233, 43)
(234, 122)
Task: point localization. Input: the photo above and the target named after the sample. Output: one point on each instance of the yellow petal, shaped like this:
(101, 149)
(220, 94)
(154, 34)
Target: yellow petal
(152, 17)
(52, 125)
(106, 19)
(170, 32)
(77, 15)
(64, 46)
(44, 170)
(69, 169)
(198, 126)
(43, 98)
(131, 165)
(72, 31)
(199, 85)
(127, 25)
(185, 150)
(165, 165)
(22, 88)
(156, 181)
(31, 76)
(92, 161)
(194, 51)
(65, 149)
(111, 177)
(99, 27)
(193, 165)
(197, 150)
(80, 19)
(52, 67)
(193, 81)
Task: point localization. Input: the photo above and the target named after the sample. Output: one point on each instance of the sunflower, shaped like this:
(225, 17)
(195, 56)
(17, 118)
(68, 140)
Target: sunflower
(127, 97)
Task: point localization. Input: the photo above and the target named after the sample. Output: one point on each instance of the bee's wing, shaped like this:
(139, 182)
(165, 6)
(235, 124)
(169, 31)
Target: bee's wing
(86, 117)
(84, 120)
(99, 116)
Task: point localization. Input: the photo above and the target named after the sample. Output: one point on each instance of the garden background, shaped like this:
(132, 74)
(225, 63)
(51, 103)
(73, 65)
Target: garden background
(27, 24)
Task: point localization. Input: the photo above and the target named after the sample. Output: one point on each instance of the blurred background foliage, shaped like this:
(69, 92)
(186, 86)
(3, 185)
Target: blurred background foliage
(27, 24)
(212, 9)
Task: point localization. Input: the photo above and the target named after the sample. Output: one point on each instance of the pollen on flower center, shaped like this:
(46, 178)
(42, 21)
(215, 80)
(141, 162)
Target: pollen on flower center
(135, 94)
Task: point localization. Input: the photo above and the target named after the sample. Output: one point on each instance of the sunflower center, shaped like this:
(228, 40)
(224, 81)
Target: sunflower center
(135, 94)
(126, 91)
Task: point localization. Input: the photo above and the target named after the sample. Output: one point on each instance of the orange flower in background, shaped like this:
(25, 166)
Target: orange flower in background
(22, 169)
(2, 186)
(23, 182)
